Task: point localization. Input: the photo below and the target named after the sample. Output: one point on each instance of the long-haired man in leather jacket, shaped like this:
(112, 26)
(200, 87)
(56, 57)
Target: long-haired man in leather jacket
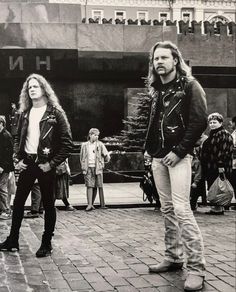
(42, 142)
(177, 119)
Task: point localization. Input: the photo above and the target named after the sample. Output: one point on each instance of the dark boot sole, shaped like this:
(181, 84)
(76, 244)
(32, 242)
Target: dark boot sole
(12, 249)
(47, 254)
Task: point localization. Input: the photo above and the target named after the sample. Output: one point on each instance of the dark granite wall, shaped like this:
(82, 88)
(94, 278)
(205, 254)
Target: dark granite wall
(92, 65)
(92, 104)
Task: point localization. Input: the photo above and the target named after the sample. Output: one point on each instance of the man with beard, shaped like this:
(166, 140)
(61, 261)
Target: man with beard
(177, 119)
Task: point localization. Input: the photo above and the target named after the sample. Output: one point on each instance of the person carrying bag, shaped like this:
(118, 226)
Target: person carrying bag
(217, 155)
(221, 191)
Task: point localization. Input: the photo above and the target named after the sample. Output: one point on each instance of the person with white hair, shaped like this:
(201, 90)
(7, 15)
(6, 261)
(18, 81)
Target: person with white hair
(217, 155)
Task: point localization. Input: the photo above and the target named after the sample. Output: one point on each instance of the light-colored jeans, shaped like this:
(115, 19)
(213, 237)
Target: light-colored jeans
(4, 196)
(181, 229)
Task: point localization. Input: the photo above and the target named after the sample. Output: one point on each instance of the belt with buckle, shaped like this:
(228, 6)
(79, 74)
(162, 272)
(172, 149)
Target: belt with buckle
(30, 156)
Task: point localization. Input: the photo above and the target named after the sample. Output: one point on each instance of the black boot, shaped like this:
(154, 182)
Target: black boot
(9, 245)
(45, 249)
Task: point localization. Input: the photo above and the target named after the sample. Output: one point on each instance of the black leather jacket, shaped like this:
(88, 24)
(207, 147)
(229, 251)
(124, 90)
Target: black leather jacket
(55, 141)
(177, 119)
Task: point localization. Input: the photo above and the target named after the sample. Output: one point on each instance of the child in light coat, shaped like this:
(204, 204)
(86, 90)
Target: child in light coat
(93, 156)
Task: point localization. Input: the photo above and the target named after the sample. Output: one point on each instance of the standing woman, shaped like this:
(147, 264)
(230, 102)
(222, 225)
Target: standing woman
(217, 154)
(43, 141)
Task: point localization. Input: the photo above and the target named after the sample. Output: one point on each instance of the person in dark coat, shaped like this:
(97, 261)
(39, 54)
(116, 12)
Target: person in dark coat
(233, 176)
(6, 166)
(217, 155)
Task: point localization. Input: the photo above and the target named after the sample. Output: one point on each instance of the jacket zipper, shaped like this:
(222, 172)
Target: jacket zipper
(46, 118)
(174, 107)
(47, 133)
(182, 120)
(162, 132)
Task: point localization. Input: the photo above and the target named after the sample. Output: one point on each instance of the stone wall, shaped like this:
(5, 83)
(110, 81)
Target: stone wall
(92, 65)
(200, 49)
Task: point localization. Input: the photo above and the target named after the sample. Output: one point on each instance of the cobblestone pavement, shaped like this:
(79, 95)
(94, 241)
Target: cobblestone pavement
(110, 250)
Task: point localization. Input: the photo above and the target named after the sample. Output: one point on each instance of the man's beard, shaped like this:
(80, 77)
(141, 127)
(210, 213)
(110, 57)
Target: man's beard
(166, 72)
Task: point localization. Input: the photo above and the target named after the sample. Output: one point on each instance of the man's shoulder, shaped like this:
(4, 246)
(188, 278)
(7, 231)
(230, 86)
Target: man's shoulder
(56, 109)
(58, 112)
(187, 80)
(191, 81)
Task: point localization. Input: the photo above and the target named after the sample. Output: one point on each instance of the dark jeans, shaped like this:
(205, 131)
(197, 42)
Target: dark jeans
(25, 184)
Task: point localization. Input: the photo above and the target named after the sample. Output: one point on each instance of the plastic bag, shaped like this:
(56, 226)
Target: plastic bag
(221, 192)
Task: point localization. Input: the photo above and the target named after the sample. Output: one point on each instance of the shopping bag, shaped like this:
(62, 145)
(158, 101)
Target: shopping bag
(221, 191)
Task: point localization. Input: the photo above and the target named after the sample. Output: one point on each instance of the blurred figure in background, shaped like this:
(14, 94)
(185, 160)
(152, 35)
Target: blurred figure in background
(217, 154)
(6, 167)
(36, 202)
(62, 184)
(198, 186)
(233, 178)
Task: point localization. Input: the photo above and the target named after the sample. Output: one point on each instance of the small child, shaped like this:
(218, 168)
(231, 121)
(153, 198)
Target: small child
(93, 156)
(198, 183)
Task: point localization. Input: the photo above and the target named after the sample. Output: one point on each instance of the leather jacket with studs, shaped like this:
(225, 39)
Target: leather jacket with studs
(55, 141)
(177, 118)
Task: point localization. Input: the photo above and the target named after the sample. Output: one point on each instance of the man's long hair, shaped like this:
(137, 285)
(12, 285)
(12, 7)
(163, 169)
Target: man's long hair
(181, 67)
(25, 102)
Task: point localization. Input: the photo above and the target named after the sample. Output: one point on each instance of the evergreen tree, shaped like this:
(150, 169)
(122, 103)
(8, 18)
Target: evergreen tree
(132, 138)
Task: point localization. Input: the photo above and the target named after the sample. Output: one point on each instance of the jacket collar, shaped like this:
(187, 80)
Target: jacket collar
(179, 78)
(49, 109)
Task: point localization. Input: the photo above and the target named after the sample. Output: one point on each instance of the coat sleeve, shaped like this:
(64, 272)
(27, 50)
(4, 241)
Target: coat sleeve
(105, 153)
(225, 148)
(197, 119)
(16, 142)
(64, 140)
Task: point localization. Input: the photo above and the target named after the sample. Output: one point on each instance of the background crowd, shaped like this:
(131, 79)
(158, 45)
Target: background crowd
(213, 151)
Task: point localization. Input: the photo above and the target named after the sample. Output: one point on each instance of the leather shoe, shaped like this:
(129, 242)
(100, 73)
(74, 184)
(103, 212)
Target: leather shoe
(45, 250)
(165, 266)
(193, 282)
(9, 245)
